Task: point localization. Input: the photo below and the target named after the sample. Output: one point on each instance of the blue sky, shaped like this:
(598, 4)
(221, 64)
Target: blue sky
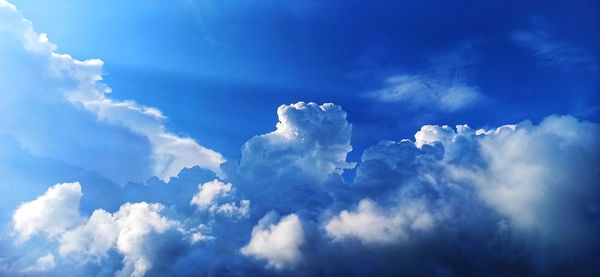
(226, 60)
(193, 120)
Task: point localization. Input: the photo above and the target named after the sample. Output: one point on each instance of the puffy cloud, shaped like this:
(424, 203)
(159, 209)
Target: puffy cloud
(311, 138)
(129, 231)
(210, 193)
(61, 88)
(136, 222)
(132, 230)
(455, 200)
(371, 225)
(539, 175)
(533, 187)
(277, 242)
(51, 213)
(520, 199)
(92, 239)
(43, 263)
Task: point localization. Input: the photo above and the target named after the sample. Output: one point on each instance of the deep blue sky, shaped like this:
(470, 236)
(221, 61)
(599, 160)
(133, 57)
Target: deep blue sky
(199, 61)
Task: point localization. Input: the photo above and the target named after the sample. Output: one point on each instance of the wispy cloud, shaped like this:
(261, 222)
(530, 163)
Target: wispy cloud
(444, 86)
(551, 50)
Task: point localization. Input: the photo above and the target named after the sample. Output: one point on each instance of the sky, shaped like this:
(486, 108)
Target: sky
(278, 138)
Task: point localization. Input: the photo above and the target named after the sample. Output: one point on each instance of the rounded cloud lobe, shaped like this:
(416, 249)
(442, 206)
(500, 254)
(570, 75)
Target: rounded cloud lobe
(276, 242)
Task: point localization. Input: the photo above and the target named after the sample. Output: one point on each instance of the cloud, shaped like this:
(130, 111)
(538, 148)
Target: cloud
(277, 242)
(90, 240)
(529, 171)
(209, 194)
(131, 230)
(421, 91)
(371, 225)
(444, 86)
(521, 199)
(50, 214)
(309, 137)
(43, 263)
(552, 51)
(61, 88)
(136, 221)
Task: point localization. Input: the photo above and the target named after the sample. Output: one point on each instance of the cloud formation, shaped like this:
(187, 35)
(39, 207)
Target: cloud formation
(550, 50)
(425, 92)
(61, 86)
(521, 199)
(210, 193)
(50, 214)
(276, 240)
(309, 137)
(444, 86)
(131, 230)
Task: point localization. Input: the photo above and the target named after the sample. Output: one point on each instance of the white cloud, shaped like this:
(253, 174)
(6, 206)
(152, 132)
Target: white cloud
(446, 85)
(372, 225)
(51, 213)
(92, 239)
(314, 139)
(135, 222)
(422, 91)
(129, 230)
(210, 195)
(208, 192)
(171, 153)
(532, 170)
(276, 242)
(549, 50)
(59, 88)
(43, 263)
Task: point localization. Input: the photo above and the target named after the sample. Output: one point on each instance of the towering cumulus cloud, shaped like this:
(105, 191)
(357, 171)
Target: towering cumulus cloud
(309, 137)
(521, 199)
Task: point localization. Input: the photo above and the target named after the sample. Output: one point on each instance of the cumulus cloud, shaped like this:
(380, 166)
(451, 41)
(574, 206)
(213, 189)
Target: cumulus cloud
(61, 87)
(371, 225)
(276, 241)
(311, 138)
(50, 214)
(520, 199)
(208, 192)
(209, 197)
(43, 263)
(92, 239)
(136, 221)
(129, 230)
(532, 170)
